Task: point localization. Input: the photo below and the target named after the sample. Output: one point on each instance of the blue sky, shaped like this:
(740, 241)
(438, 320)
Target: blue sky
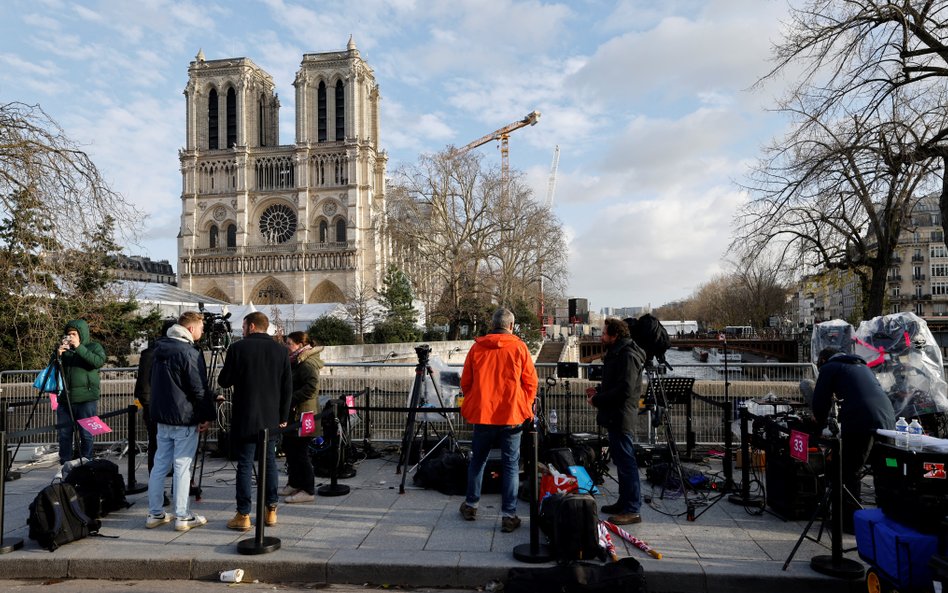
(649, 102)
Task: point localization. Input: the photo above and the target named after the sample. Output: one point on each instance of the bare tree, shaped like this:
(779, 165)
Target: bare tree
(57, 219)
(362, 308)
(860, 57)
(837, 193)
(37, 157)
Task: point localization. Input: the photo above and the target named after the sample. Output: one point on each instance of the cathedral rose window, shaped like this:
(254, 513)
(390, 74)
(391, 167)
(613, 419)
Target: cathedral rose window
(278, 224)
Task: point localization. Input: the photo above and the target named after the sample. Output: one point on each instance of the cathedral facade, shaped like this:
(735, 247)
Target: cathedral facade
(268, 223)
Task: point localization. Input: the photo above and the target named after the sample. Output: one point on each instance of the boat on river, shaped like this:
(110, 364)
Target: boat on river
(700, 354)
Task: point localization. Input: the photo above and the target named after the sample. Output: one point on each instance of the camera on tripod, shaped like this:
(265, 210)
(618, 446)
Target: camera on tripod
(216, 329)
(423, 352)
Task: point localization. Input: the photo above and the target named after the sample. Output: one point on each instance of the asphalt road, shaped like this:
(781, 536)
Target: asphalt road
(185, 586)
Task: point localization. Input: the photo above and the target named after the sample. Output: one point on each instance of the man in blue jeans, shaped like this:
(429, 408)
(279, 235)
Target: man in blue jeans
(258, 368)
(182, 406)
(617, 400)
(499, 383)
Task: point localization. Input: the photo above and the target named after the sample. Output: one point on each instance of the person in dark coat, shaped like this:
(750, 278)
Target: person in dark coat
(81, 359)
(182, 406)
(864, 408)
(617, 400)
(258, 368)
(143, 391)
(305, 362)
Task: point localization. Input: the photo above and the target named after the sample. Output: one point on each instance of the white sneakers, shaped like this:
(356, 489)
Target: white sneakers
(152, 521)
(299, 497)
(288, 491)
(189, 522)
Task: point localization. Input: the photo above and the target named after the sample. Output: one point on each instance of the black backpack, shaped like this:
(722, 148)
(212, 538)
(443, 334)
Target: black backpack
(571, 522)
(100, 486)
(444, 471)
(57, 517)
(650, 335)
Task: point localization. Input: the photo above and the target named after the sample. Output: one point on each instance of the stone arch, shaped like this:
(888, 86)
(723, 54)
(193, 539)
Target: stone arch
(339, 230)
(217, 293)
(271, 291)
(327, 292)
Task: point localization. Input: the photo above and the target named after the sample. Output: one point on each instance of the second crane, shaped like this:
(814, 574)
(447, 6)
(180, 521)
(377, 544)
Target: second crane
(503, 134)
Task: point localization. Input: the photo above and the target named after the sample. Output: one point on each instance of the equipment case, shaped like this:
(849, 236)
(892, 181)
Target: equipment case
(911, 486)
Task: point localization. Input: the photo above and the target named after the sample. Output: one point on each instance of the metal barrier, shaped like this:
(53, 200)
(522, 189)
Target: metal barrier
(380, 385)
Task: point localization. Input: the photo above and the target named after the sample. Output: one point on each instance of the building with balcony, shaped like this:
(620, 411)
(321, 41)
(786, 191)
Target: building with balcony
(268, 223)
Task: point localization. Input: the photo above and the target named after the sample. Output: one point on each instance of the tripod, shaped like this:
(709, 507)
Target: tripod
(656, 389)
(217, 356)
(422, 372)
(834, 564)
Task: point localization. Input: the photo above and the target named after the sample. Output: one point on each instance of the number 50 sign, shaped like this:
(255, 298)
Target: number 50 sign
(799, 444)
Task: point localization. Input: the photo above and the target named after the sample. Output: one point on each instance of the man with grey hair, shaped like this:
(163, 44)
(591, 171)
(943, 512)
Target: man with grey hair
(499, 384)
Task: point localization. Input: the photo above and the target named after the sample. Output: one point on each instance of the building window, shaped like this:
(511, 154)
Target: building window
(340, 111)
(232, 236)
(212, 237)
(918, 292)
(896, 290)
(278, 224)
(323, 231)
(918, 309)
(321, 112)
(261, 122)
(938, 251)
(340, 231)
(212, 122)
(938, 236)
(231, 118)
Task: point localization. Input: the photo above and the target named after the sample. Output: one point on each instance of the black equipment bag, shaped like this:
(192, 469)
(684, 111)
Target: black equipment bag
(571, 522)
(561, 458)
(57, 517)
(100, 486)
(624, 576)
(444, 471)
(650, 335)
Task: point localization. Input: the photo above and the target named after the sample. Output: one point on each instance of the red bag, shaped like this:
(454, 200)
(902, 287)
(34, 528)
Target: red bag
(554, 482)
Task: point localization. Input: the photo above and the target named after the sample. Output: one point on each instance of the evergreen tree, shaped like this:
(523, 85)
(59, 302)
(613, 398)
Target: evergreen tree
(396, 299)
(331, 331)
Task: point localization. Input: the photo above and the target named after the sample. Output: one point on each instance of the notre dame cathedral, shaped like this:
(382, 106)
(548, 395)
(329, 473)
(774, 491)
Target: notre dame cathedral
(268, 223)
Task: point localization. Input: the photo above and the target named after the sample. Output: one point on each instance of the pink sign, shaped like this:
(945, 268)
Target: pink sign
(350, 403)
(307, 424)
(94, 425)
(799, 445)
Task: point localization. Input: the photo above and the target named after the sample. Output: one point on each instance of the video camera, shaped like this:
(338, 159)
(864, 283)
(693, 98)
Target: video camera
(216, 329)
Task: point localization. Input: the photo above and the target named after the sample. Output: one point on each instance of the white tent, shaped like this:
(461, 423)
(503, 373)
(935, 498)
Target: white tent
(288, 317)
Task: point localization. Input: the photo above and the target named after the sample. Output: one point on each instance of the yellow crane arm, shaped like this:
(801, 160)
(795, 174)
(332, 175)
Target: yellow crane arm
(530, 120)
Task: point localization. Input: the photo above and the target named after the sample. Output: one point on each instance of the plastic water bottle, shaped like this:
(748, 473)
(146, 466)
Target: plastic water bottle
(553, 420)
(915, 434)
(901, 430)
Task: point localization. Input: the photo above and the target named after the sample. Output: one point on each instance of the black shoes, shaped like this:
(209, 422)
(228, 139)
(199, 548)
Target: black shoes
(626, 519)
(610, 509)
(509, 524)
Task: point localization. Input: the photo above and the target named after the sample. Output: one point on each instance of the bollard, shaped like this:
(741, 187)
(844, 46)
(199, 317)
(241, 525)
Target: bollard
(6, 545)
(260, 544)
(835, 565)
(534, 552)
(334, 488)
(132, 486)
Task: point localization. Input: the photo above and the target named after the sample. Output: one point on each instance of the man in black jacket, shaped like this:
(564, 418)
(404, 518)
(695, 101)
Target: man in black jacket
(616, 400)
(143, 390)
(182, 406)
(258, 368)
(864, 408)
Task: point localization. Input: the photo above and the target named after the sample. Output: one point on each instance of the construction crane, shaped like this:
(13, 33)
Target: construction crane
(551, 187)
(503, 134)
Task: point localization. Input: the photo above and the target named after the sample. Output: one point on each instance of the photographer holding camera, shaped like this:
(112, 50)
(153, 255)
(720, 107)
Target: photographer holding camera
(80, 360)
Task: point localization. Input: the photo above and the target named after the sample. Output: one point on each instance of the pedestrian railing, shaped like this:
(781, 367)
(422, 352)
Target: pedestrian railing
(389, 386)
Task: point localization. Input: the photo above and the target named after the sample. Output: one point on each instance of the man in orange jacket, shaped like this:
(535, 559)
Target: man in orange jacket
(499, 383)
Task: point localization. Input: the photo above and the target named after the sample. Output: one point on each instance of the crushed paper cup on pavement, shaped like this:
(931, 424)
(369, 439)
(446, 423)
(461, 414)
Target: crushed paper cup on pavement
(232, 576)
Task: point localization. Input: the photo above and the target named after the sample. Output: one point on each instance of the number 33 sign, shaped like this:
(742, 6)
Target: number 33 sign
(799, 443)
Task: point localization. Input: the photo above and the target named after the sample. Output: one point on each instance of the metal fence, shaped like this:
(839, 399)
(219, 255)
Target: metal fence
(379, 385)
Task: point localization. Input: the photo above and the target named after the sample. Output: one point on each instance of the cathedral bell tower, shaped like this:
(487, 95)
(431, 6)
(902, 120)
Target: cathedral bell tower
(272, 223)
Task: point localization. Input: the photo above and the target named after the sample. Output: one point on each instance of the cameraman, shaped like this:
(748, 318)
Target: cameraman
(864, 408)
(616, 400)
(81, 359)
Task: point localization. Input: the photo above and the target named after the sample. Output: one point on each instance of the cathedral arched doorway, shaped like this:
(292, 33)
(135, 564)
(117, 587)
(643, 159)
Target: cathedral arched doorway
(271, 291)
(327, 292)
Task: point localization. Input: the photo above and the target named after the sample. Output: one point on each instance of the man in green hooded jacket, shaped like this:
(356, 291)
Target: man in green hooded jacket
(81, 360)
